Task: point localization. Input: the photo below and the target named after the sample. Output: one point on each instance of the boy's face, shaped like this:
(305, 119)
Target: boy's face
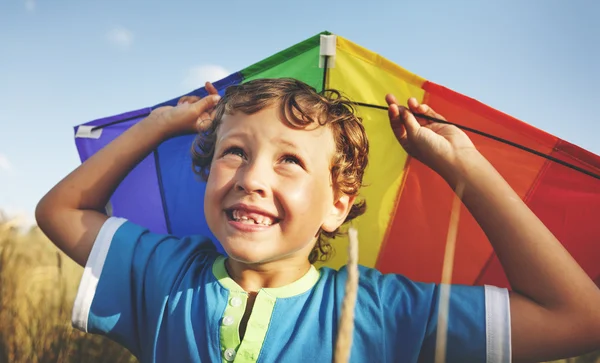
(269, 189)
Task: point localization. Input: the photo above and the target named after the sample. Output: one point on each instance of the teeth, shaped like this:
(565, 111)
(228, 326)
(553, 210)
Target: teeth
(240, 217)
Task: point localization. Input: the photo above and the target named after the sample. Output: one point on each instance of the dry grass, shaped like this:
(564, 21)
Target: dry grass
(37, 288)
(589, 358)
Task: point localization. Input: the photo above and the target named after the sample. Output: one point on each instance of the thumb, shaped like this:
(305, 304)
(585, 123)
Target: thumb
(188, 99)
(206, 103)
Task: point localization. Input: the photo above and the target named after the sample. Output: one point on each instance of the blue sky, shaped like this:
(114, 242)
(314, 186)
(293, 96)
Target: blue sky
(63, 62)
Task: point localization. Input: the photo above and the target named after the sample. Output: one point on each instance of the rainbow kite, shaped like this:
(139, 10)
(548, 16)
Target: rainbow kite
(405, 227)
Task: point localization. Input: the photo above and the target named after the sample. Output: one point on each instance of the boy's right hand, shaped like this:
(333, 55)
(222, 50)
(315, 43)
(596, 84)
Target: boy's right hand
(191, 115)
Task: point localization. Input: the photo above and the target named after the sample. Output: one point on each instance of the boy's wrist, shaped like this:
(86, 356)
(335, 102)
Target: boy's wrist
(156, 126)
(465, 165)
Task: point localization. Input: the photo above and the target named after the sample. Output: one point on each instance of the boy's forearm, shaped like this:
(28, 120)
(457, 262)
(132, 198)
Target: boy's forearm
(72, 213)
(529, 253)
(554, 310)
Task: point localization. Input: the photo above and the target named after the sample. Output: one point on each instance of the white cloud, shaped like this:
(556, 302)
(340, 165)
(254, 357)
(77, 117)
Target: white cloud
(5, 165)
(30, 5)
(196, 76)
(121, 37)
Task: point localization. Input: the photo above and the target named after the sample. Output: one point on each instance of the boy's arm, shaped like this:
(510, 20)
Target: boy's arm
(554, 304)
(72, 213)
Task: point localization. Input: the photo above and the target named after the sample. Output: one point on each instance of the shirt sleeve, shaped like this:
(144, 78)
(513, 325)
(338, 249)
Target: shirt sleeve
(129, 278)
(464, 323)
(471, 322)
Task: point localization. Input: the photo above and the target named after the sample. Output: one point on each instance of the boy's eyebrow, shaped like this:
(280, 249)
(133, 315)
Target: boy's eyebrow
(278, 140)
(298, 147)
(229, 135)
(286, 143)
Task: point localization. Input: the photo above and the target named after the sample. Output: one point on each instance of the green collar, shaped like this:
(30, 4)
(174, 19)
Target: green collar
(297, 287)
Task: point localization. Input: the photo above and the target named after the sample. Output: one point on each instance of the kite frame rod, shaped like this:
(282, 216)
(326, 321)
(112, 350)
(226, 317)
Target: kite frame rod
(496, 138)
(99, 127)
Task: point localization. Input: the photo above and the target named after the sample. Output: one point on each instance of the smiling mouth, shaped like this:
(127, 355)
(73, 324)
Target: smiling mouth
(250, 218)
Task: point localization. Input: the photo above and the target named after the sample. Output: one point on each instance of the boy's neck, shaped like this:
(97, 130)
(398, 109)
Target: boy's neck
(275, 274)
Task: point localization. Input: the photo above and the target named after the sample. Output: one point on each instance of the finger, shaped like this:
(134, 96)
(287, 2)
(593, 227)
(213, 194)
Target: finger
(396, 122)
(423, 109)
(390, 99)
(394, 116)
(410, 122)
(210, 89)
(393, 112)
(413, 104)
(188, 99)
(426, 110)
(206, 103)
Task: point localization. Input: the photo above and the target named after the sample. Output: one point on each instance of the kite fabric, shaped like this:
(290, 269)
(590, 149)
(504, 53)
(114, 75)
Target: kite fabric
(408, 205)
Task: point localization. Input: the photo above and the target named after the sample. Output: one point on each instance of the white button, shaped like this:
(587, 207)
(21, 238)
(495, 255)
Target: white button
(229, 354)
(235, 301)
(228, 320)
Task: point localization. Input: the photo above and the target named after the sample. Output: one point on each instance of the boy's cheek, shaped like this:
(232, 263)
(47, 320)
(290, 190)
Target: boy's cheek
(219, 177)
(306, 196)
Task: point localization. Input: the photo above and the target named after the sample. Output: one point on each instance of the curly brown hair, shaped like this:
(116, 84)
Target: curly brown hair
(301, 106)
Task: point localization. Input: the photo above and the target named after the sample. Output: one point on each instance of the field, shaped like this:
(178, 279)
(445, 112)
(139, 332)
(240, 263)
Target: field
(37, 287)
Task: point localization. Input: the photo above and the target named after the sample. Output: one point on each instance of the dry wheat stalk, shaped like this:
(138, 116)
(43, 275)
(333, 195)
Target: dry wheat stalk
(447, 267)
(343, 345)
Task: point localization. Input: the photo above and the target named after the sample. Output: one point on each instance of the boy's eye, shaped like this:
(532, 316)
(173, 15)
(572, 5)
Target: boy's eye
(234, 151)
(291, 159)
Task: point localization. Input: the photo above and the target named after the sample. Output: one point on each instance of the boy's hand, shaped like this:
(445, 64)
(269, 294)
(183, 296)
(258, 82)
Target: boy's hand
(192, 114)
(439, 146)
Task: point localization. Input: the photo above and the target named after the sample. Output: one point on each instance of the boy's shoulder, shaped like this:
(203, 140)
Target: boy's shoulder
(122, 242)
(123, 228)
(371, 279)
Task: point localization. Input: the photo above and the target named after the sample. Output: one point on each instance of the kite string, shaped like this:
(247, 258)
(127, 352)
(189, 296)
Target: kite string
(496, 138)
(343, 345)
(447, 268)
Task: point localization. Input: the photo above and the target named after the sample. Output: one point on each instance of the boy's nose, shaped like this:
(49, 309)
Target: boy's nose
(252, 179)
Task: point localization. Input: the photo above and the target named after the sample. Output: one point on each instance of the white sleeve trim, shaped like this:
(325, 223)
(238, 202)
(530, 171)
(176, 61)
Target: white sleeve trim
(92, 272)
(497, 325)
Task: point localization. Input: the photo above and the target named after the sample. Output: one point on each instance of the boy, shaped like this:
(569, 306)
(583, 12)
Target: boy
(284, 166)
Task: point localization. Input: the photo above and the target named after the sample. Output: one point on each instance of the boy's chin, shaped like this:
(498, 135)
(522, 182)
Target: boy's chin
(255, 258)
(248, 257)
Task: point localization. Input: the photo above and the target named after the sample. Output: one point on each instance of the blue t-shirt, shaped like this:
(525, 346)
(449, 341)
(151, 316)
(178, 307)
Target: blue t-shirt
(170, 299)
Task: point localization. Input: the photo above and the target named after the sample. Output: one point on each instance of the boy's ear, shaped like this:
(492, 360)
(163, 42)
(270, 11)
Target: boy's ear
(339, 211)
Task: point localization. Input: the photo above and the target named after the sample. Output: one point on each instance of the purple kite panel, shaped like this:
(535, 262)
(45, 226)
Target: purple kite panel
(138, 196)
(121, 118)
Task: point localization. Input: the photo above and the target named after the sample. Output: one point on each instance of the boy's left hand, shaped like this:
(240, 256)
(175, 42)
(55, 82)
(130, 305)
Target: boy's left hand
(439, 146)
